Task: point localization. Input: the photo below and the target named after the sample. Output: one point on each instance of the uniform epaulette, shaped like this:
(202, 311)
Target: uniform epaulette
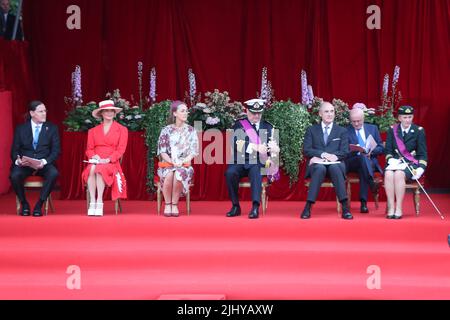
(241, 116)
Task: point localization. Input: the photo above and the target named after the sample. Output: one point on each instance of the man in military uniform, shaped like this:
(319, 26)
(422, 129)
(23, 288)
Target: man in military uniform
(406, 158)
(252, 145)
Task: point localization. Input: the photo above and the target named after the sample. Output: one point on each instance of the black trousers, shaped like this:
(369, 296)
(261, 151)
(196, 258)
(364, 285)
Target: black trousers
(19, 174)
(359, 164)
(235, 172)
(318, 173)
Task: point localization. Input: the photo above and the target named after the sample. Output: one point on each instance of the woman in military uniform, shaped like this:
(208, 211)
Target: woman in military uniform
(406, 158)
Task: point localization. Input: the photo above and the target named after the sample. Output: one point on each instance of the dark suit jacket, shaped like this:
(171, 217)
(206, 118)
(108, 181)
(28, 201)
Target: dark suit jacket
(48, 147)
(337, 144)
(7, 34)
(265, 132)
(369, 129)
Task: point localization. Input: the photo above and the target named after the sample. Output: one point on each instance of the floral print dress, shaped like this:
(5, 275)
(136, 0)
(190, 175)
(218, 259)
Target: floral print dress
(178, 143)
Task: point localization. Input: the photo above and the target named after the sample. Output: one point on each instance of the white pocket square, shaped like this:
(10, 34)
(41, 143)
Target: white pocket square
(336, 139)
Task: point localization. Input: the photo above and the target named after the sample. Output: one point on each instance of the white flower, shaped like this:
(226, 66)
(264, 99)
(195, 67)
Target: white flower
(135, 107)
(87, 121)
(207, 110)
(212, 121)
(360, 105)
(138, 116)
(200, 105)
(129, 117)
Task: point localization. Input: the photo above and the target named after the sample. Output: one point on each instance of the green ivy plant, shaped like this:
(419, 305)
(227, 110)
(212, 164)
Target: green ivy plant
(155, 119)
(80, 118)
(291, 120)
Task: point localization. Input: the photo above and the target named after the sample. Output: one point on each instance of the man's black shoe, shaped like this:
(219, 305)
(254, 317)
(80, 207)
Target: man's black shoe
(254, 213)
(306, 214)
(25, 210)
(37, 211)
(347, 215)
(364, 208)
(234, 212)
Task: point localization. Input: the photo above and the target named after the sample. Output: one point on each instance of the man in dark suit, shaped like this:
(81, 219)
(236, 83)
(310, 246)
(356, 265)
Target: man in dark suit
(324, 143)
(365, 163)
(39, 140)
(7, 21)
(251, 151)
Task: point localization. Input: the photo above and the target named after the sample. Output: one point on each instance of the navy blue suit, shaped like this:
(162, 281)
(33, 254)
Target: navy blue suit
(359, 163)
(314, 146)
(245, 164)
(48, 148)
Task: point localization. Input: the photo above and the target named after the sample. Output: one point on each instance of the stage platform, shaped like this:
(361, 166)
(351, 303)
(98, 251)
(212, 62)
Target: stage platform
(140, 255)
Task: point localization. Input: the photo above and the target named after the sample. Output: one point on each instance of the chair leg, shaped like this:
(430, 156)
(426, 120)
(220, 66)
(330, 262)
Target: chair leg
(17, 205)
(158, 199)
(376, 197)
(349, 194)
(88, 198)
(116, 206)
(46, 206)
(120, 205)
(338, 204)
(50, 202)
(417, 201)
(188, 202)
(263, 200)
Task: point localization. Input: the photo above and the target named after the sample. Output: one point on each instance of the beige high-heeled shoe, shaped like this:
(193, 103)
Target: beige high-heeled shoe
(175, 212)
(167, 210)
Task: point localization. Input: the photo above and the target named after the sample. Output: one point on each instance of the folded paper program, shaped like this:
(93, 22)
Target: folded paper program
(31, 162)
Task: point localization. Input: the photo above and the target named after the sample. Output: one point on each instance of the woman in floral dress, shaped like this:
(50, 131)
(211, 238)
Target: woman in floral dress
(177, 146)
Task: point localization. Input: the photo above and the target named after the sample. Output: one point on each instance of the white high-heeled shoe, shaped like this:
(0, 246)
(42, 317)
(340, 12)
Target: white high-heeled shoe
(91, 210)
(99, 209)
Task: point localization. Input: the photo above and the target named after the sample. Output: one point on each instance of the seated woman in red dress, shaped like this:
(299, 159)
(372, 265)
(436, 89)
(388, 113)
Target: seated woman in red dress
(105, 147)
(177, 146)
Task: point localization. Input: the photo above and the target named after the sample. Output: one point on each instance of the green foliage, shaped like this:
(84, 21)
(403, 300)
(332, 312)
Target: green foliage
(80, 118)
(291, 120)
(155, 119)
(341, 112)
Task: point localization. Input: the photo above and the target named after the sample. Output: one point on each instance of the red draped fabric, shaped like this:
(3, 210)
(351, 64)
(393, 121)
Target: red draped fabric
(227, 43)
(6, 134)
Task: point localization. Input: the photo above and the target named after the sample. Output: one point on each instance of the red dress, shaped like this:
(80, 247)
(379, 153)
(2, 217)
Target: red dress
(111, 145)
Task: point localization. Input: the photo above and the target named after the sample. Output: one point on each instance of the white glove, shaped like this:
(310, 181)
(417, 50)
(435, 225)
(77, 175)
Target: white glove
(419, 173)
(393, 161)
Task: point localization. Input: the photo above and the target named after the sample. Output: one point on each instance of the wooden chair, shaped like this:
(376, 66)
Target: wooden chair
(159, 196)
(36, 182)
(353, 178)
(245, 183)
(327, 184)
(413, 185)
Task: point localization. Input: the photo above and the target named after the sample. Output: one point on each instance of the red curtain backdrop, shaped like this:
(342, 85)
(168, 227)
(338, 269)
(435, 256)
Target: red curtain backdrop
(227, 43)
(5, 139)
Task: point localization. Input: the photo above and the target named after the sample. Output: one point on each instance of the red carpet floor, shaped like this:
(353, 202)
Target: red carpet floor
(139, 255)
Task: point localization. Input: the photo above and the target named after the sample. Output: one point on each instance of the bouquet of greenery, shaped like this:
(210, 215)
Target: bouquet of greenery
(130, 117)
(216, 112)
(291, 120)
(341, 111)
(80, 118)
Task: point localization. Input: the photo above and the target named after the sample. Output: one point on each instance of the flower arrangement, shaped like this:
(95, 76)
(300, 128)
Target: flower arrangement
(216, 112)
(384, 118)
(80, 118)
(341, 111)
(130, 117)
